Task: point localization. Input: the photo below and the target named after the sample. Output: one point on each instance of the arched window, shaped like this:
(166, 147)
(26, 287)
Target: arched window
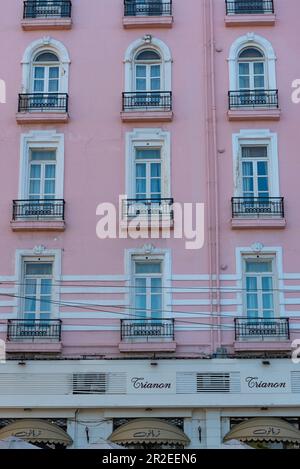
(147, 70)
(45, 73)
(45, 66)
(251, 70)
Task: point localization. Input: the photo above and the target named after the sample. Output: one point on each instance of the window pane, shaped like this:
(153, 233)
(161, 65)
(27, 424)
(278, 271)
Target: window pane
(148, 268)
(244, 83)
(38, 268)
(39, 72)
(148, 55)
(259, 82)
(35, 171)
(46, 57)
(53, 86)
(262, 168)
(50, 171)
(250, 52)
(255, 152)
(34, 187)
(147, 154)
(53, 72)
(244, 69)
(42, 155)
(140, 71)
(255, 266)
(263, 184)
(38, 86)
(155, 71)
(50, 187)
(258, 68)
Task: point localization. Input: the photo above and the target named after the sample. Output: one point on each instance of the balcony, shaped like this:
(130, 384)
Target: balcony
(257, 212)
(41, 108)
(153, 13)
(29, 335)
(249, 13)
(46, 14)
(147, 106)
(262, 334)
(147, 213)
(147, 335)
(38, 215)
(253, 105)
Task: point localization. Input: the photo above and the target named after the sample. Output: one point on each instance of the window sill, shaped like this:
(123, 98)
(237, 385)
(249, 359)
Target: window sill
(35, 24)
(38, 225)
(147, 116)
(158, 346)
(250, 20)
(44, 117)
(272, 344)
(131, 22)
(252, 114)
(40, 345)
(258, 223)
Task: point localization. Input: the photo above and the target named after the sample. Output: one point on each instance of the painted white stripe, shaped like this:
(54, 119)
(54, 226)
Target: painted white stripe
(203, 302)
(8, 304)
(94, 278)
(294, 276)
(7, 278)
(292, 301)
(99, 303)
(203, 277)
(92, 290)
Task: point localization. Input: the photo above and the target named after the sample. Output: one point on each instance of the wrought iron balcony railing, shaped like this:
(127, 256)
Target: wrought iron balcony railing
(147, 329)
(46, 209)
(43, 102)
(257, 207)
(148, 207)
(147, 100)
(34, 329)
(249, 7)
(47, 9)
(259, 328)
(148, 8)
(253, 98)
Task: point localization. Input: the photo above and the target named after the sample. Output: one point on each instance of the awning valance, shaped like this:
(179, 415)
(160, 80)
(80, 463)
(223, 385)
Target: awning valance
(149, 431)
(264, 429)
(36, 430)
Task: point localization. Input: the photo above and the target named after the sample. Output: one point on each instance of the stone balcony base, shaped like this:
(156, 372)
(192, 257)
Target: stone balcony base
(38, 346)
(258, 223)
(147, 346)
(35, 24)
(250, 20)
(42, 117)
(133, 22)
(147, 116)
(262, 345)
(38, 225)
(253, 114)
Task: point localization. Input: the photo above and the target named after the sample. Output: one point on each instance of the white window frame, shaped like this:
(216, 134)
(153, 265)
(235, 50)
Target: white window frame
(148, 253)
(264, 257)
(41, 140)
(46, 66)
(262, 137)
(145, 44)
(37, 260)
(258, 249)
(251, 75)
(38, 253)
(43, 45)
(258, 42)
(136, 260)
(148, 138)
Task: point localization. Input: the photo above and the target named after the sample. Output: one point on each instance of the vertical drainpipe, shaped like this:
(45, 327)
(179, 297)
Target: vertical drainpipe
(212, 175)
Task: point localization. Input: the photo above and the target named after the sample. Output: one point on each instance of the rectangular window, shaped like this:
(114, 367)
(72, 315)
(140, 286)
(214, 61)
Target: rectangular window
(37, 289)
(148, 295)
(259, 288)
(42, 174)
(148, 173)
(255, 171)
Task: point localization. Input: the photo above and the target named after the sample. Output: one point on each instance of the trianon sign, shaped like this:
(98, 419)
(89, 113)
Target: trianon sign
(141, 384)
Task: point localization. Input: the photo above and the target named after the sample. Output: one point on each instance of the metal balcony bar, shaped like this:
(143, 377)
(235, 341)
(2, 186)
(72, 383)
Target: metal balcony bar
(147, 328)
(47, 9)
(148, 8)
(253, 98)
(260, 328)
(43, 102)
(18, 329)
(248, 7)
(147, 100)
(257, 206)
(39, 209)
(148, 207)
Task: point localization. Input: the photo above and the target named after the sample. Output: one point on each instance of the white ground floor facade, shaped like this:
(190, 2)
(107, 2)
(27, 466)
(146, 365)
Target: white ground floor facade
(203, 399)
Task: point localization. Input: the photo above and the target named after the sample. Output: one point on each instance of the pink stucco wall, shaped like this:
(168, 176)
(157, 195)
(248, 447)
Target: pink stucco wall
(95, 161)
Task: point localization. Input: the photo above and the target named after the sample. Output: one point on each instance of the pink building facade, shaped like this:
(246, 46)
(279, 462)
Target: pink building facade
(173, 117)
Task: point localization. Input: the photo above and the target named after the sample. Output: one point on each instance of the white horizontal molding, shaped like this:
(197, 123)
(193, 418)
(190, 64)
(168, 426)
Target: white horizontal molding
(94, 278)
(92, 315)
(293, 276)
(91, 328)
(98, 302)
(87, 289)
(195, 302)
